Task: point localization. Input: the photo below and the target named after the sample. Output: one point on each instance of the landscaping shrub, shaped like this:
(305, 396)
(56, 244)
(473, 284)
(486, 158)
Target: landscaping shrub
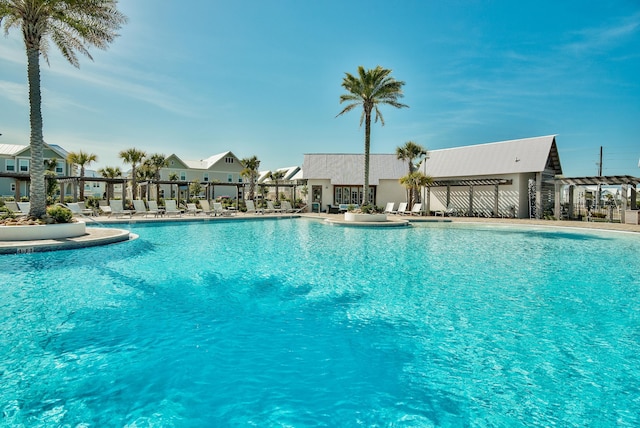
(60, 214)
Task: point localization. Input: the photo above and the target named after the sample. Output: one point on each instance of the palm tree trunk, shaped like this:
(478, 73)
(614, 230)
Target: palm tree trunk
(37, 193)
(82, 183)
(367, 147)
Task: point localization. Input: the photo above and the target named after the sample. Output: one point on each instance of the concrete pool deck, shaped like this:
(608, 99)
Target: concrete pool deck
(102, 236)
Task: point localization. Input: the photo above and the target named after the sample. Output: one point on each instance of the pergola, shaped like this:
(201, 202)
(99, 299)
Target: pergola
(470, 183)
(624, 181)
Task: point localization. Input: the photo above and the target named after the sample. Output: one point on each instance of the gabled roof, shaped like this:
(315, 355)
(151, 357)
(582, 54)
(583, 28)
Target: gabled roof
(10, 149)
(506, 157)
(349, 168)
(15, 150)
(210, 161)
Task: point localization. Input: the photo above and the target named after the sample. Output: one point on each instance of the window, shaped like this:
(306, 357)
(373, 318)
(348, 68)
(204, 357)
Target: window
(205, 177)
(10, 165)
(60, 167)
(228, 159)
(352, 194)
(183, 176)
(24, 165)
(230, 178)
(13, 187)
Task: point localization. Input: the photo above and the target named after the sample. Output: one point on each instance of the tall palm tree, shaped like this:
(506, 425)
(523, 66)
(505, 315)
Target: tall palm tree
(82, 159)
(412, 153)
(134, 157)
(73, 26)
(370, 89)
(156, 162)
(110, 172)
(145, 174)
(250, 172)
(276, 176)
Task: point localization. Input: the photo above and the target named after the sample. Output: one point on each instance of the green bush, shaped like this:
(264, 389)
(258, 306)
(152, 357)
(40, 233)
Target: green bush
(6, 213)
(59, 214)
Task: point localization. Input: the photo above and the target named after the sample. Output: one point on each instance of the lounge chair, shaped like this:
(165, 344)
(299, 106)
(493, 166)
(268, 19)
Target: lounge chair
(153, 209)
(141, 209)
(193, 209)
(118, 210)
(13, 207)
(389, 208)
(206, 208)
(218, 209)
(272, 209)
(446, 212)
(251, 208)
(172, 208)
(287, 208)
(416, 209)
(402, 209)
(79, 211)
(24, 207)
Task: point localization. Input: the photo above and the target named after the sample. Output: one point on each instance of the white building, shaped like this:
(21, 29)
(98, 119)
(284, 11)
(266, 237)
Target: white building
(494, 178)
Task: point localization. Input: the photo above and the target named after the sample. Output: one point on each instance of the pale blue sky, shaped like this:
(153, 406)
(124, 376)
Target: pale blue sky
(261, 77)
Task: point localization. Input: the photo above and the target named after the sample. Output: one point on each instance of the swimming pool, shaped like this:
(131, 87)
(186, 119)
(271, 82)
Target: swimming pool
(295, 323)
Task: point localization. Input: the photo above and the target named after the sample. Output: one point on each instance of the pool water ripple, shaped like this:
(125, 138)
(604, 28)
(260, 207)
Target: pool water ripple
(294, 323)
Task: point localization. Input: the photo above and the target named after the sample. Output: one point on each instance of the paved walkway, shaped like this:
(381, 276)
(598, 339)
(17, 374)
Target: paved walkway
(97, 235)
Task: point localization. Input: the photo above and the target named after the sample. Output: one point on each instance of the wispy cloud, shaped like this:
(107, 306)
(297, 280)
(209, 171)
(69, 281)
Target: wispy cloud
(14, 92)
(156, 90)
(604, 37)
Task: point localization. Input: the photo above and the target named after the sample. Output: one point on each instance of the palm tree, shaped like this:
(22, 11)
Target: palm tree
(145, 174)
(250, 172)
(50, 175)
(173, 177)
(156, 162)
(83, 159)
(413, 182)
(73, 26)
(110, 172)
(134, 157)
(276, 176)
(413, 153)
(369, 89)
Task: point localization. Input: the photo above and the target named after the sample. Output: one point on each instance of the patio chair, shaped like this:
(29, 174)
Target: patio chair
(251, 207)
(172, 208)
(193, 209)
(206, 208)
(389, 208)
(141, 209)
(287, 208)
(416, 209)
(118, 210)
(76, 210)
(219, 210)
(272, 209)
(153, 209)
(24, 207)
(402, 209)
(13, 207)
(446, 212)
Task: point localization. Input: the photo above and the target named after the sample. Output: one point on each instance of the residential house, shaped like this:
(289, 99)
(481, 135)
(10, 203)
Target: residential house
(223, 168)
(15, 164)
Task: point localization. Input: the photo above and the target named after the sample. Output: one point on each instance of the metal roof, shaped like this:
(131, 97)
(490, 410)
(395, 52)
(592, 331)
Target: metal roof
(11, 149)
(482, 160)
(505, 157)
(349, 168)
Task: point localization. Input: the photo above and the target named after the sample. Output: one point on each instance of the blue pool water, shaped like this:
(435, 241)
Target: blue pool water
(293, 323)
